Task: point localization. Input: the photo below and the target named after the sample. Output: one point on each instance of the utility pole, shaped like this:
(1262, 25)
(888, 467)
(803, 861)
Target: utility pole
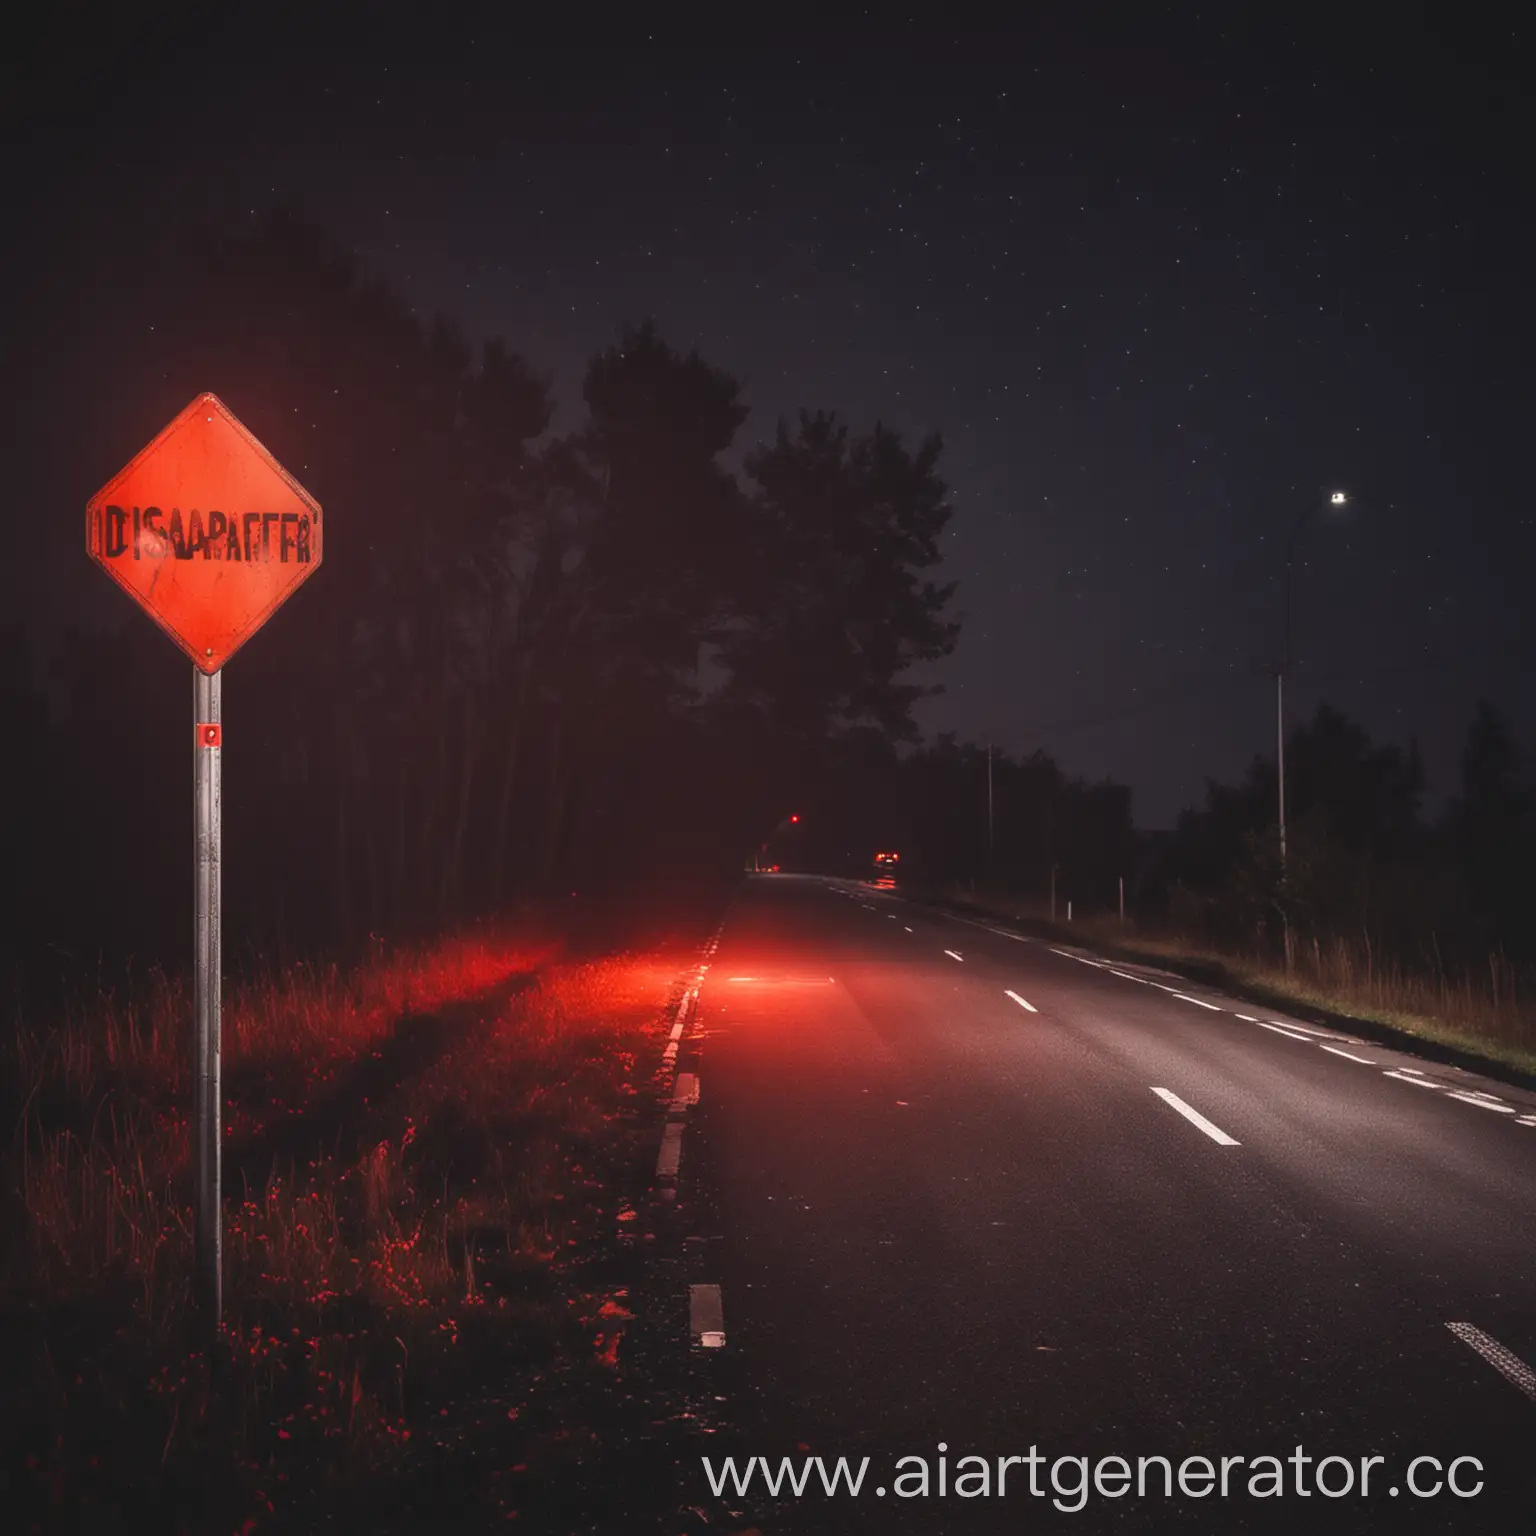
(1335, 499)
(1280, 731)
(989, 806)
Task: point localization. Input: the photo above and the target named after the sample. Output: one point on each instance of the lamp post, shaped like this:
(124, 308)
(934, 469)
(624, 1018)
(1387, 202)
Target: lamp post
(1335, 499)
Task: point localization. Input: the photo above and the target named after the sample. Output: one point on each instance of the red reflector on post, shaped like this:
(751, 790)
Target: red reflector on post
(210, 735)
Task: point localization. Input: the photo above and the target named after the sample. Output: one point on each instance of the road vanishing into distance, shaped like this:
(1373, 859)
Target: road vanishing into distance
(964, 1189)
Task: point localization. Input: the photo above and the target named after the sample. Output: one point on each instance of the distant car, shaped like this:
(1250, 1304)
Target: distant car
(886, 860)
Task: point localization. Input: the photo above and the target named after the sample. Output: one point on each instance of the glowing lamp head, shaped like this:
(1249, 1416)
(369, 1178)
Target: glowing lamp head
(1337, 499)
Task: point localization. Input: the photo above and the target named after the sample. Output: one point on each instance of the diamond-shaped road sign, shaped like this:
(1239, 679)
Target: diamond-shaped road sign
(207, 531)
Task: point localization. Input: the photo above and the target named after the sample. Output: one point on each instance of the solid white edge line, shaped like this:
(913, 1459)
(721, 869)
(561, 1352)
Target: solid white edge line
(1247, 1018)
(1418, 1082)
(1468, 1098)
(706, 1316)
(1508, 1364)
(1083, 959)
(1020, 1001)
(953, 956)
(1196, 1119)
(971, 922)
(1185, 997)
(1346, 1055)
(1277, 1030)
(1128, 977)
(1305, 1029)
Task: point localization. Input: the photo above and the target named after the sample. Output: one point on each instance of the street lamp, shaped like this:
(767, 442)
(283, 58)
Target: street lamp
(1335, 499)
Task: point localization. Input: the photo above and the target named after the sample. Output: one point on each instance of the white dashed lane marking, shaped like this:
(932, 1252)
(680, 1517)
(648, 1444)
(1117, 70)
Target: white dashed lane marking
(1508, 1364)
(706, 1316)
(953, 956)
(1195, 1118)
(671, 1151)
(1306, 1034)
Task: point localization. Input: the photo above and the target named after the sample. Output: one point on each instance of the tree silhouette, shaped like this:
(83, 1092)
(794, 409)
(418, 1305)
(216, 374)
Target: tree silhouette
(529, 661)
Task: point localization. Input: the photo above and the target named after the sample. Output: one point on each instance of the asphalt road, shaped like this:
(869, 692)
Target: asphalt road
(1133, 1218)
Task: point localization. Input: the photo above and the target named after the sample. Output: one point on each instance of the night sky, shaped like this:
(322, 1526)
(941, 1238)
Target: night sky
(1161, 283)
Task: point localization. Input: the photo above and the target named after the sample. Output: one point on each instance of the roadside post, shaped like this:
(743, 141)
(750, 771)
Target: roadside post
(210, 535)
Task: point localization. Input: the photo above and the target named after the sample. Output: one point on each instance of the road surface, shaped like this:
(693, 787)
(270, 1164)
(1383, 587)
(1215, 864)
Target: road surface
(959, 1188)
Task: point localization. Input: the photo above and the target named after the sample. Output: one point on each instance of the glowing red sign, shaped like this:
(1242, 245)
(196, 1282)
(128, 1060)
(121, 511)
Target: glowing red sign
(205, 530)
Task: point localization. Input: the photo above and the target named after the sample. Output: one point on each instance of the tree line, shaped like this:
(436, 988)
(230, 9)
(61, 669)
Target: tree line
(1366, 860)
(957, 813)
(537, 662)
(533, 661)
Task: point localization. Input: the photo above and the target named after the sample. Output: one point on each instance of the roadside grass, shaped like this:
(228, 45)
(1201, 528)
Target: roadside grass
(427, 1162)
(1487, 1013)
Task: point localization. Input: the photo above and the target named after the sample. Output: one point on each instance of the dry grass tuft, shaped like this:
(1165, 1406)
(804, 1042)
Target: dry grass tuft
(416, 1149)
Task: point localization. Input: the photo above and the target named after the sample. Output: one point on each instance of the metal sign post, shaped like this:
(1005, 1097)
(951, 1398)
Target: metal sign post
(207, 1117)
(209, 534)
